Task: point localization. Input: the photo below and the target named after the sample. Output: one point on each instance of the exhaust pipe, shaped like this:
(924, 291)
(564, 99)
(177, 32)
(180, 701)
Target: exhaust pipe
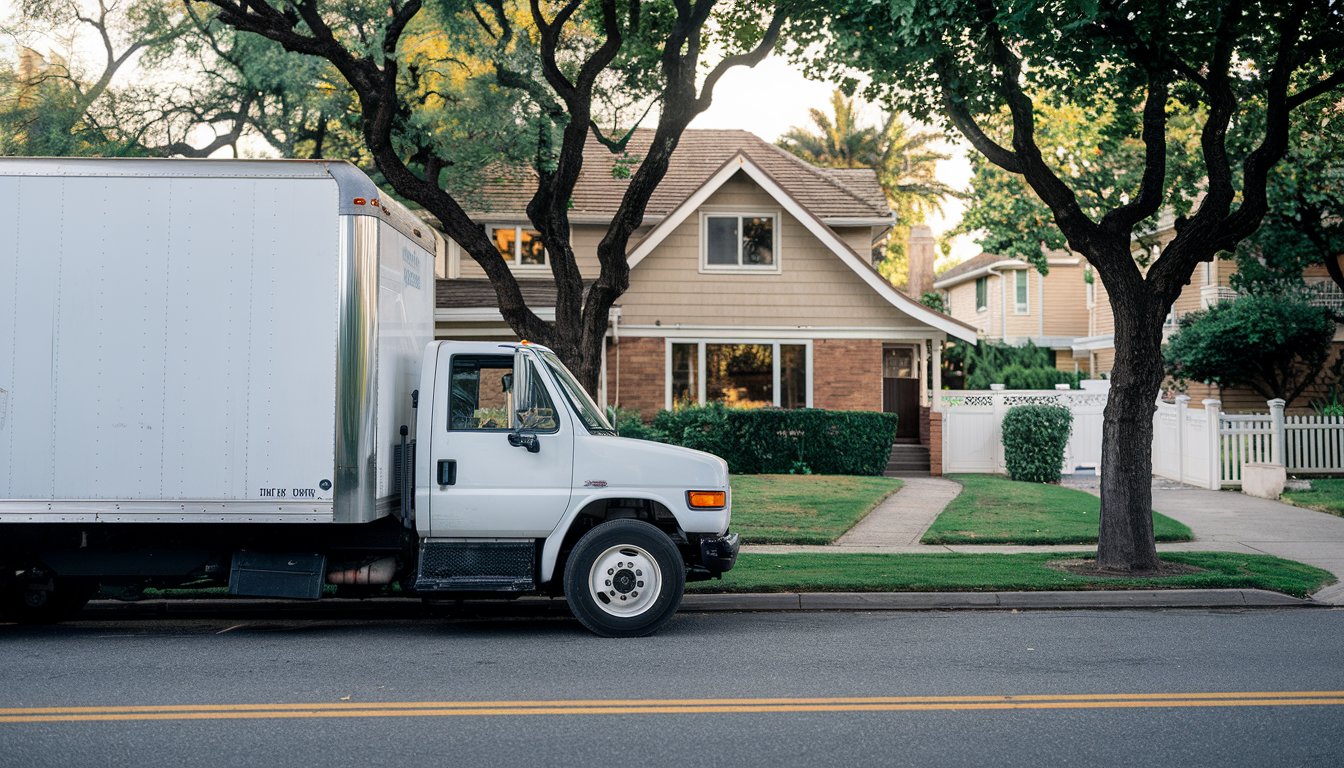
(379, 571)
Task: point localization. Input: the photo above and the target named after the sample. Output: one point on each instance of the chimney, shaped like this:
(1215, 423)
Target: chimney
(30, 65)
(920, 255)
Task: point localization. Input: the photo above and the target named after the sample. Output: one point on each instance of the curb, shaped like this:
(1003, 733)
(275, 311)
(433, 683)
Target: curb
(943, 601)
(406, 608)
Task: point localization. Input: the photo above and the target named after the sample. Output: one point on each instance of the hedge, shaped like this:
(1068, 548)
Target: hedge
(1034, 439)
(775, 441)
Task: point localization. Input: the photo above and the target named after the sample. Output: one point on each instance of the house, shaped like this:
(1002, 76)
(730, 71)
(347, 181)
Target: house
(750, 283)
(1010, 301)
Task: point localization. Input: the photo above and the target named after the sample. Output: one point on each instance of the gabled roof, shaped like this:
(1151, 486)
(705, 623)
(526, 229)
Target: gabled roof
(850, 195)
(741, 163)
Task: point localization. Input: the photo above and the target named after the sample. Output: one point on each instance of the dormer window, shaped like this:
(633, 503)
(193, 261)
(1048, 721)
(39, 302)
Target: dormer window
(520, 246)
(739, 242)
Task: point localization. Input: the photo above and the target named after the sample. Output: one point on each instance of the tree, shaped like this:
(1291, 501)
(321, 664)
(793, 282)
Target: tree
(985, 67)
(1276, 345)
(563, 59)
(1305, 221)
(904, 158)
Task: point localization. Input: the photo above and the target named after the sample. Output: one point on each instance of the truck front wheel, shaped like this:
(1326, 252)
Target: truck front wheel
(34, 604)
(624, 578)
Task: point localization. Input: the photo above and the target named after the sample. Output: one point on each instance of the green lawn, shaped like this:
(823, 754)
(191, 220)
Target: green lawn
(996, 510)
(803, 509)
(1324, 496)
(946, 572)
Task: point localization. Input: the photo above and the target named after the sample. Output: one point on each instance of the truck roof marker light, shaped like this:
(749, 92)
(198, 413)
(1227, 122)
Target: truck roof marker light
(360, 201)
(706, 499)
(524, 342)
(374, 202)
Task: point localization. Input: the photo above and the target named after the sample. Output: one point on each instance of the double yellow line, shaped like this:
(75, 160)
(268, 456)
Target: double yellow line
(667, 706)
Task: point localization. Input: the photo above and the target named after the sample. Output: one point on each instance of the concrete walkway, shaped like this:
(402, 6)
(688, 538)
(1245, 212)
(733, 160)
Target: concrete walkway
(1222, 521)
(903, 517)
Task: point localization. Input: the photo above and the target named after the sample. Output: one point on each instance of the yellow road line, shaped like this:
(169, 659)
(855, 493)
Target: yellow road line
(668, 706)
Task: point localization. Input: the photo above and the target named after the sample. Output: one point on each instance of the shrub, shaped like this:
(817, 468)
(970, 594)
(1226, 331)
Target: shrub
(628, 424)
(1034, 438)
(775, 441)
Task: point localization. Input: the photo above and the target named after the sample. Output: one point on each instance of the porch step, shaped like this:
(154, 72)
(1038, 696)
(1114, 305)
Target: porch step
(907, 460)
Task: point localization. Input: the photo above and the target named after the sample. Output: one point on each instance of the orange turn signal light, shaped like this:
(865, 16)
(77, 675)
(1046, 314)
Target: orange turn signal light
(706, 499)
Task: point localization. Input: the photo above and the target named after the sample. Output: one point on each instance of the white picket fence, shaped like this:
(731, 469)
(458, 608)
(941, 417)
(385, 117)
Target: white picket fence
(1208, 448)
(973, 427)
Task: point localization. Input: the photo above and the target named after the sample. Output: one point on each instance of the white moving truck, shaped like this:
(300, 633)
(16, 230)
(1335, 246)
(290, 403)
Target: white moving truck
(225, 372)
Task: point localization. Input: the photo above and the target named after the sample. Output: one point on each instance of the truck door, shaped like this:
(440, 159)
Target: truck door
(495, 477)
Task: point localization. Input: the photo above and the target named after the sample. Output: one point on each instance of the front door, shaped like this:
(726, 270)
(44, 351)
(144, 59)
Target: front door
(900, 389)
(491, 488)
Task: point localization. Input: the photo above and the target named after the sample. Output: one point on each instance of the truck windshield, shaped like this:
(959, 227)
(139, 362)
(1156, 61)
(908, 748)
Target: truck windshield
(583, 405)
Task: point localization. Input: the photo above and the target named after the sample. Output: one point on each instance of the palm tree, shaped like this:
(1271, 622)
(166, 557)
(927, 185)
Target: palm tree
(904, 158)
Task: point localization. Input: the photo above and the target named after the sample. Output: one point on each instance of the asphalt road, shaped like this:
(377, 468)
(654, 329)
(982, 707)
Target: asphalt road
(1188, 688)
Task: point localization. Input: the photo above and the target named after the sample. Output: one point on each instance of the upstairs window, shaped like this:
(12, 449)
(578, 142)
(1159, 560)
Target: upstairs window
(981, 294)
(739, 242)
(518, 245)
(1021, 281)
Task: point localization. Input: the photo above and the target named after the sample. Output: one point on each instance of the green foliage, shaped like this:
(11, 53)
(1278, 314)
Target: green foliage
(1034, 439)
(934, 300)
(777, 441)
(993, 362)
(1305, 223)
(1275, 344)
(904, 158)
(629, 424)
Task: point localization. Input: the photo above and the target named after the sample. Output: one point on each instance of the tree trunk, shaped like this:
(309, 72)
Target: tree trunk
(1125, 542)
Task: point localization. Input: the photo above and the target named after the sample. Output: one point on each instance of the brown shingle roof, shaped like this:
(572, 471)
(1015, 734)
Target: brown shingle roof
(971, 265)
(477, 293)
(828, 193)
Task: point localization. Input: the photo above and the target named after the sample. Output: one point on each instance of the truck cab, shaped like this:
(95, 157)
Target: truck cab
(523, 486)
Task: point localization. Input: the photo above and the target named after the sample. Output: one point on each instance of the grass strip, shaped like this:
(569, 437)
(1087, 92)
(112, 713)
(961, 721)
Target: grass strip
(803, 509)
(996, 510)
(1325, 495)
(949, 572)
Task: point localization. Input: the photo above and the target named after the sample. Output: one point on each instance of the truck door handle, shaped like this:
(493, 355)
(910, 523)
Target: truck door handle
(447, 472)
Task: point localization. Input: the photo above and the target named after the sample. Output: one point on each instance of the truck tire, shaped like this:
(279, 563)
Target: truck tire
(624, 578)
(47, 606)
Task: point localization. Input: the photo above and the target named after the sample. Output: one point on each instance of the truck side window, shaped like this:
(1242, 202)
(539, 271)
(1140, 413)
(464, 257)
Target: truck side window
(479, 396)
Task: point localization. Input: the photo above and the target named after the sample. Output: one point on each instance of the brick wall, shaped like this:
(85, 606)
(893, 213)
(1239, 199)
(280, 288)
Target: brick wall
(642, 373)
(924, 412)
(935, 443)
(847, 374)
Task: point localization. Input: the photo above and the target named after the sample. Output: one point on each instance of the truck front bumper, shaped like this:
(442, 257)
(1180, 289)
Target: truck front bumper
(718, 555)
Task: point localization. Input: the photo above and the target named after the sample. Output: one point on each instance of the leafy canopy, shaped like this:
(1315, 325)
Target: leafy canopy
(1275, 344)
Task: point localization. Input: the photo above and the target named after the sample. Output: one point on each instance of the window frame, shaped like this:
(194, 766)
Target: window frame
(982, 291)
(1022, 289)
(516, 262)
(739, 268)
(775, 360)
(477, 357)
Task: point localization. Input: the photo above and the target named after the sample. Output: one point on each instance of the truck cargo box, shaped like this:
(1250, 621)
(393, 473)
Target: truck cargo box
(205, 340)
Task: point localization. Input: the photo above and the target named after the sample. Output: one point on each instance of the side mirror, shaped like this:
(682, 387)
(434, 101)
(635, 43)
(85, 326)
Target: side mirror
(521, 385)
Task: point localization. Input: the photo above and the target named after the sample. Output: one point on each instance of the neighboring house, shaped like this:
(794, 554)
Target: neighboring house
(750, 283)
(1008, 300)
(1210, 284)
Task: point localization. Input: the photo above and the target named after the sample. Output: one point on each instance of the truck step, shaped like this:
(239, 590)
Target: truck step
(477, 566)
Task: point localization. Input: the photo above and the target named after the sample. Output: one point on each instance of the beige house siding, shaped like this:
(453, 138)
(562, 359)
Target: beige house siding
(859, 239)
(812, 288)
(1064, 310)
